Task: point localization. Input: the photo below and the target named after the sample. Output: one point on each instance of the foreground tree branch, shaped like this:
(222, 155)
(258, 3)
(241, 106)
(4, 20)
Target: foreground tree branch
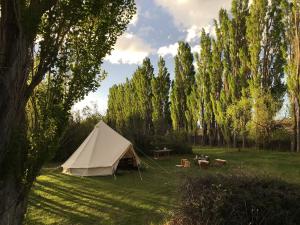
(37, 37)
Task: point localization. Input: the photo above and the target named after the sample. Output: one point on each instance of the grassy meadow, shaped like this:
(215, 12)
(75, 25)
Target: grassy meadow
(126, 199)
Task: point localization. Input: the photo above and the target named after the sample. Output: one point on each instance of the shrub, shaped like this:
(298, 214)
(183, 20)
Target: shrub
(238, 200)
(175, 141)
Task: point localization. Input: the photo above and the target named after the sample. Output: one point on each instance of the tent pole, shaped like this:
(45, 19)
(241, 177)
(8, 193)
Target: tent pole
(140, 173)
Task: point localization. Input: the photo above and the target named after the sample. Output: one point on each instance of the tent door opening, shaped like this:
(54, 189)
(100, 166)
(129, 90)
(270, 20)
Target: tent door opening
(127, 162)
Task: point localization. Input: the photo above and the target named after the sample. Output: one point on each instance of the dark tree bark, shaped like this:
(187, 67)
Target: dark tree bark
(13, 201)
(15, 57)
(13, 65)
(204, 133)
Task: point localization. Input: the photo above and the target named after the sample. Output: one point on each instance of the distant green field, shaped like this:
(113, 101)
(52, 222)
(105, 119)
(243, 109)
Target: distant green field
(62, 199)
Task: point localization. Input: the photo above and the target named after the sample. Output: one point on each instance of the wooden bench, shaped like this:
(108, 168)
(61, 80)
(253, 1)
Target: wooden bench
(184, 163)
(220, 162)
(203, 163)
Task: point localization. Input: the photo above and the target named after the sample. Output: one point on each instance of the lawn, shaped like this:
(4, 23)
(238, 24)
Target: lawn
(126, 199)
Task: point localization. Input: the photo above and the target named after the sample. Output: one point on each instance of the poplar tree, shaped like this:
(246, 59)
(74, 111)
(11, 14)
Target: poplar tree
(192, 114)
(204, 61)
(239, 57)
(160, 99)
(182, 86)
(216, 80)
(223, 68)
(292, 24)
(265, 35)
(142, 103)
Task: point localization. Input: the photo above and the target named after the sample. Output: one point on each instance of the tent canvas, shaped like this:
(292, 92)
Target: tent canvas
(100, 153)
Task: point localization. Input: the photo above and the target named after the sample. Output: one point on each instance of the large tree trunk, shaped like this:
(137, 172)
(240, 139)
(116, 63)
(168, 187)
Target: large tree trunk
(13, 202)
(13, 77)
(14, 71)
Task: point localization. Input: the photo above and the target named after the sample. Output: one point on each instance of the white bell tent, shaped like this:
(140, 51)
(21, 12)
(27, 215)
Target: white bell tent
(100, 153)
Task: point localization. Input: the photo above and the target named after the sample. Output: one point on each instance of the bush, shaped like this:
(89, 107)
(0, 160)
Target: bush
(175, 141)
(238, 200)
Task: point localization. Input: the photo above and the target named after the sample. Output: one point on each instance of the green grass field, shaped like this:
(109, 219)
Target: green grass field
(62, 199)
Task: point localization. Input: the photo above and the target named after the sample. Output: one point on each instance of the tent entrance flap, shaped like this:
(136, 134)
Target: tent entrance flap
(128, 161)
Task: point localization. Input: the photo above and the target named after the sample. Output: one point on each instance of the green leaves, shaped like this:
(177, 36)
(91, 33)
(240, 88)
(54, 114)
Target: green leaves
(160, 99)
(182, 85)
(68, 40)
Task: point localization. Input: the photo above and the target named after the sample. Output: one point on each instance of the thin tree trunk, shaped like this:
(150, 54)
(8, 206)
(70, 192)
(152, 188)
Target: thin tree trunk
(294, 136)
(219, 136)
(243, 141)
(210, 135)
(298, 125)
(234, 140)
(204, 137)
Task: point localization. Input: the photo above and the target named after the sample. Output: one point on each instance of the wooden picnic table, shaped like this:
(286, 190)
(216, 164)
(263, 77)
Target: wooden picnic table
(163, 152)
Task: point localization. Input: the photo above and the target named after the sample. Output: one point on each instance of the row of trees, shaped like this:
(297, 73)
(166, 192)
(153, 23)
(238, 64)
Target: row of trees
(140, 106)
(237, 88)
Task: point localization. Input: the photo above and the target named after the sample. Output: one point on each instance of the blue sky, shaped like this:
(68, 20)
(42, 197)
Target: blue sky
(154, 31)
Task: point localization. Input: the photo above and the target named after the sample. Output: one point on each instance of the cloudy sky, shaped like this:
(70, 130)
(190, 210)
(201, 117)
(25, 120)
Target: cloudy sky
(154, 31)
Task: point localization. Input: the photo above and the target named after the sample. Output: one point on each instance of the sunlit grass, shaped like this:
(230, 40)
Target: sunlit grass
(61, 199)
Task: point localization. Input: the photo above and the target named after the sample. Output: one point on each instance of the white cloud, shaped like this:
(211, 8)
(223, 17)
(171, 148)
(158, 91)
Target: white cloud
(129, 49)
(134, 19)
(193, 15)
(168, 50)
(187, 13)
(172, 49)
(196, 48)
(192, 33)
(91, 100)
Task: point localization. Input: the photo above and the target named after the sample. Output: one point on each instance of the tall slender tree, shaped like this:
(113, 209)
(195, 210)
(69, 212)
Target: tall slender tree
(265, 35)
(141, 83)
(160, 99)
(224, 68)
(192, 113)
(204, 61)
(182, 85)
(216, 81)
(239, 56)
(292, 24)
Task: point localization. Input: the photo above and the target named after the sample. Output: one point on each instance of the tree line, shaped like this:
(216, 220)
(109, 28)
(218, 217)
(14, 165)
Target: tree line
(230, 91)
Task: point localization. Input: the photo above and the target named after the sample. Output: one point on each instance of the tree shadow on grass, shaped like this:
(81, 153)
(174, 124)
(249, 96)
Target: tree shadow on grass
(95, 201)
